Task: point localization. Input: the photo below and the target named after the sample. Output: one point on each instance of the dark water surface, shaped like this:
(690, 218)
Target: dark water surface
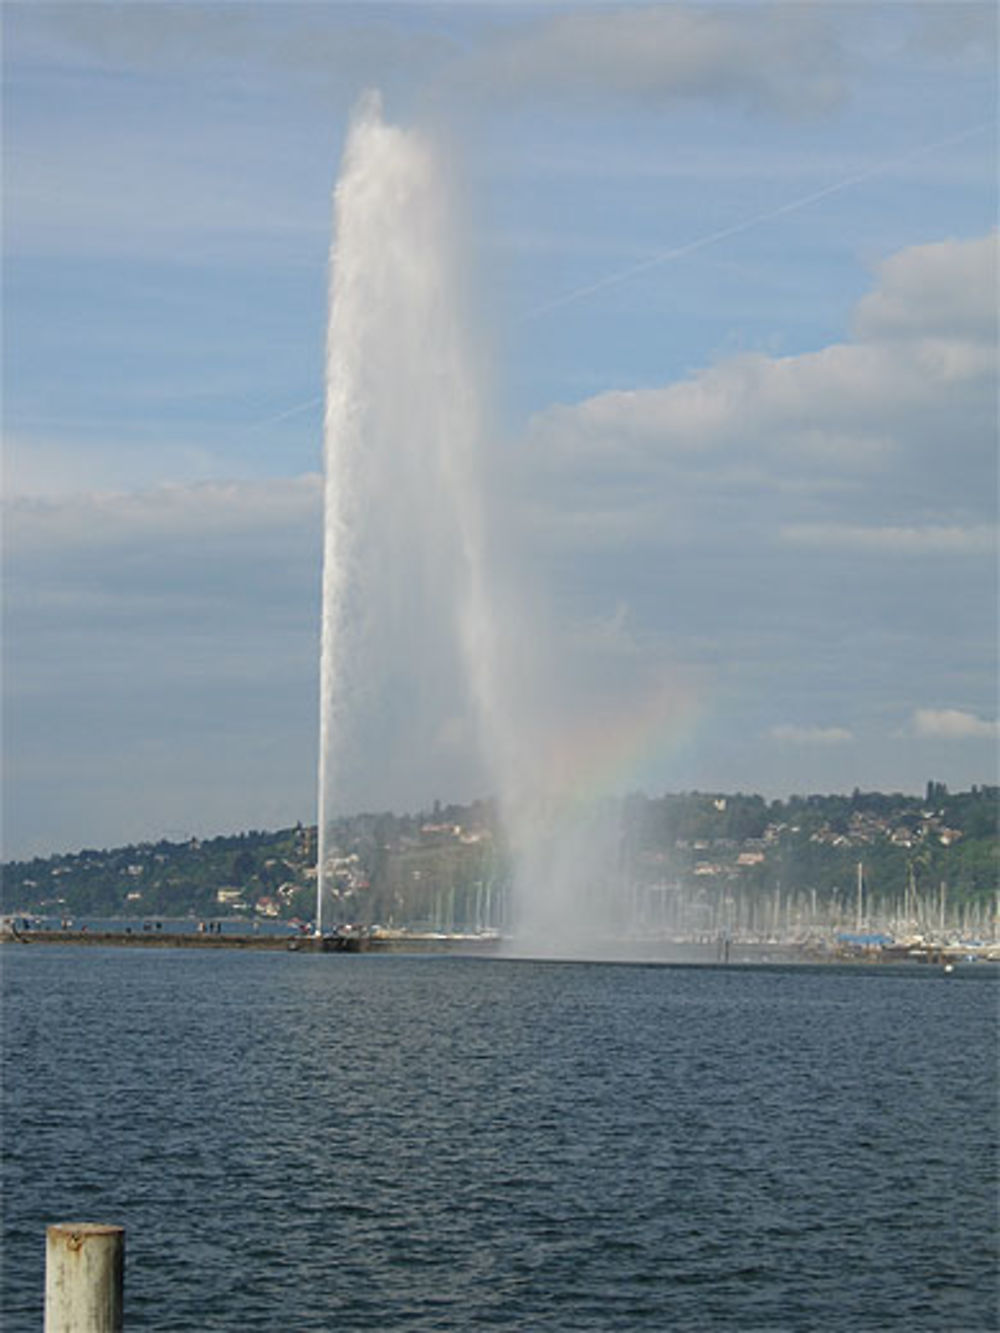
(313, 1142)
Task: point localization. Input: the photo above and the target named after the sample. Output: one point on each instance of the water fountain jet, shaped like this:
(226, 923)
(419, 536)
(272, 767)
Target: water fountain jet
(419, 627)
(406, 639)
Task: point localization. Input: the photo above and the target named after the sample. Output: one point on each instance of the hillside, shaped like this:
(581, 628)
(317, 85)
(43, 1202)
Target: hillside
(731, 854)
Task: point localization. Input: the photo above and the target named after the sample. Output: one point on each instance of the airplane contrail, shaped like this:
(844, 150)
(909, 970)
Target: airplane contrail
(288, 412)
(712, 238)
(701, 242)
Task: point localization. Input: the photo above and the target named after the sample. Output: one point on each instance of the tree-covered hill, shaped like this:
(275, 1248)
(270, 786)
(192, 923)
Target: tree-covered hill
(448, 867)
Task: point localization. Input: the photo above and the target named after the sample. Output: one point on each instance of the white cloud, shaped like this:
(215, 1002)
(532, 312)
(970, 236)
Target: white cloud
(928, 540)
(210, 582)
(793, 735)
(791, 525)
(178, 514)
(236, 40)
(85, 187)
(878, 407)
(160, 642)
(947, 289)
(42, 467)
(953, 724)
(959, 30)
(780, 58)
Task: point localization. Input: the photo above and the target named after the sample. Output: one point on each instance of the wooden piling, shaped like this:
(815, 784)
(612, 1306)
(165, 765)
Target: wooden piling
(84, 1277)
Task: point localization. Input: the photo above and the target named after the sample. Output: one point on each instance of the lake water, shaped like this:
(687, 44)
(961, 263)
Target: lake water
(334, 1142)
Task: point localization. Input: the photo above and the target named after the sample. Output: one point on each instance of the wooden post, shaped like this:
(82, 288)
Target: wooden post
(84, 1277)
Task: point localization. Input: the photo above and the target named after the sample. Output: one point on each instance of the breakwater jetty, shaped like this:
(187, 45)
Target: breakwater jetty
(142, 939)
(345, 942)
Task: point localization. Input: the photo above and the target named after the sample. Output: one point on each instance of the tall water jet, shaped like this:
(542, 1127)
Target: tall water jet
(429, 657)
(405, 627)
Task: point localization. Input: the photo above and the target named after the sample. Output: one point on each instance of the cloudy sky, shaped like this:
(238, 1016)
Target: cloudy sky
(735, 267)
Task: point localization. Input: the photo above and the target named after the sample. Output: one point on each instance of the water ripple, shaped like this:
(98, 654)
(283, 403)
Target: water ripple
(392, 1143)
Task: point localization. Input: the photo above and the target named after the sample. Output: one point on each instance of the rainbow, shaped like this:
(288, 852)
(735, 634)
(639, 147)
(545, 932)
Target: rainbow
(612, 752)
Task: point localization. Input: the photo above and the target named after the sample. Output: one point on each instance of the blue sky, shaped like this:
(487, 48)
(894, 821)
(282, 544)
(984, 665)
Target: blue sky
(736, 269)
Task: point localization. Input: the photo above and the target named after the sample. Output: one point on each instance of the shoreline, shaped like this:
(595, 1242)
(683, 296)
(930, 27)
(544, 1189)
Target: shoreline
(148, 939)
(697, 953)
